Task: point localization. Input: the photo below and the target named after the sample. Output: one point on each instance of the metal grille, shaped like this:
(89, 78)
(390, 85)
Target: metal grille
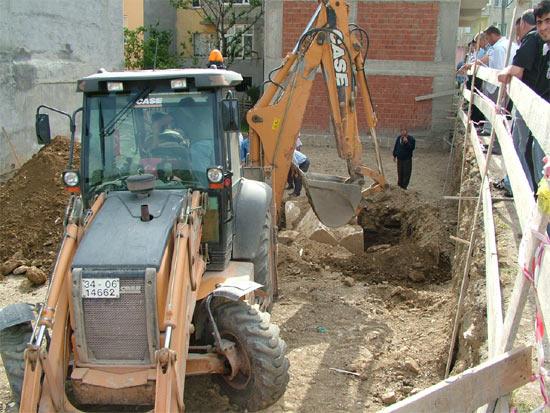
(116, 328)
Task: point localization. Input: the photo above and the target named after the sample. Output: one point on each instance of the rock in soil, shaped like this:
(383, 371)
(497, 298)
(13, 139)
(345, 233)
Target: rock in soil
(292, 213)
(36, 276)
(389, 398)
(412, 366)
(349, 281)
(287, 237)
(353, 242)
(380, 247)
(20, 270)
(8, 266)
(416, 276)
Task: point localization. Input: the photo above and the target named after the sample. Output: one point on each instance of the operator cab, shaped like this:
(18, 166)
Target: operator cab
(165, 123)
(178, 126)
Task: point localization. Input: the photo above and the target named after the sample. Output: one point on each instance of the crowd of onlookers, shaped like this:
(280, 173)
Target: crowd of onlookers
(529, 60)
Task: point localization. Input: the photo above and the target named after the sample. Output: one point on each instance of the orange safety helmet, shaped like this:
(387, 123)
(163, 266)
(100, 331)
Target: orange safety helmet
(215, 56)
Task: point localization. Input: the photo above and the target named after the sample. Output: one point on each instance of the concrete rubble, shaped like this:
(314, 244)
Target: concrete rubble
(348, 236)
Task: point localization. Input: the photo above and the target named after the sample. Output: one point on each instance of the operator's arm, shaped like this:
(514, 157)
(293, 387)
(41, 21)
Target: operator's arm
(484, 61)
(524, 59)
(505, 75)
(411, 143)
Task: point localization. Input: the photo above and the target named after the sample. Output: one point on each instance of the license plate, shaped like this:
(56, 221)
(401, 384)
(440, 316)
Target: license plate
(100, 288)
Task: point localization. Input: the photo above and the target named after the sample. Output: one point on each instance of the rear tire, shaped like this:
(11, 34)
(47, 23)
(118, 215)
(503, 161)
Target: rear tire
(265, 265)
(13, 341)
(263, 354)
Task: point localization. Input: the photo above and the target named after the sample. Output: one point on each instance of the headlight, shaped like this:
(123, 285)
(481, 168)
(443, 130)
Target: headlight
(215, 175)
(71, 178)
(115, 86)
(178, 83)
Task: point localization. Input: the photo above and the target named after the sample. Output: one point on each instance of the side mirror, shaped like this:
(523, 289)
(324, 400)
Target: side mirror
(230, 115)
(43, 129)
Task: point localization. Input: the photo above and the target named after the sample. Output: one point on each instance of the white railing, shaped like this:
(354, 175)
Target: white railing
(483, 387)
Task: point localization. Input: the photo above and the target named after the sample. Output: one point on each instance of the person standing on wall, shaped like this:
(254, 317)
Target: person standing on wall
(402, 154)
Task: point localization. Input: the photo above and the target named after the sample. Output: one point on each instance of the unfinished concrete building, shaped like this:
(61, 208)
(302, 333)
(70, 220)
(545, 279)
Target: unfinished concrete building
(43, 50)
(411, 54)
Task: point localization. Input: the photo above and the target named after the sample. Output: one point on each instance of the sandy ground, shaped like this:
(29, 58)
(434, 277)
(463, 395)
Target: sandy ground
(371, 328)
(359, 313)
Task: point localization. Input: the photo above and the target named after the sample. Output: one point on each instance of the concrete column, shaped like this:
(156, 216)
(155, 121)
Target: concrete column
(352, 11)
(273, 35)
(444, 57)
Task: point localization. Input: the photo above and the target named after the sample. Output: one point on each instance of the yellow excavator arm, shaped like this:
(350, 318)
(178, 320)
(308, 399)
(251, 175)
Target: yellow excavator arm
(331, 44)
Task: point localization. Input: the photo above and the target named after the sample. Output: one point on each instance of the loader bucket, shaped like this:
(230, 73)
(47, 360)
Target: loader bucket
(333, 200)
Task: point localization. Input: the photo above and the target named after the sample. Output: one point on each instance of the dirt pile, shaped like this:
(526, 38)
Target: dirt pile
(33, 203)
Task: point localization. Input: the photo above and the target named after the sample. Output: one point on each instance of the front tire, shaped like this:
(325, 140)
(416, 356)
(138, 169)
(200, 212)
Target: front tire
(13, 341)
(263, 377)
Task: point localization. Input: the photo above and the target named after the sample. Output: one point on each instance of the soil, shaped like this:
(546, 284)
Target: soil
(360, 329)
(33, 204)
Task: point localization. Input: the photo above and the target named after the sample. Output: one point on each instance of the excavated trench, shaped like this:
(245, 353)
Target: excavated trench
(404, 240)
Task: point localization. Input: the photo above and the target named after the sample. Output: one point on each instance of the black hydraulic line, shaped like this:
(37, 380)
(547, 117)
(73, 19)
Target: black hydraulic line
(329, 31)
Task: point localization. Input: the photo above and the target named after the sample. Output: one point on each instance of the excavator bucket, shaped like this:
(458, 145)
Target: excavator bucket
(334, 200)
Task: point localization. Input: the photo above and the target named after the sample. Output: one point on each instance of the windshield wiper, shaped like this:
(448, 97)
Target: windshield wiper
(110, 127)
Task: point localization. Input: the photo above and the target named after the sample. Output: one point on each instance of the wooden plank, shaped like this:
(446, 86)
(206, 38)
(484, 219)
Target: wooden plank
(492, 275)
(436, 95)
(534, 110)
(487, 108)
(472, 388)
(463, 116)
(488, 75)
(473, 198)
(543, 287)
(467, 94)
(523, 196)
(529, 243)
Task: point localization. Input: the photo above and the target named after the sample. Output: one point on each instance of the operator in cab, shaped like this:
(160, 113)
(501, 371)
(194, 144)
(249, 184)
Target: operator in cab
(162, 131)
(215, 60)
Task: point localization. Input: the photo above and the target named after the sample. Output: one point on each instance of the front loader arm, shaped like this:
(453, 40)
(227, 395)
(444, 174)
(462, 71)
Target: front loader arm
(48, 393)
(186, 274)
(276, 119)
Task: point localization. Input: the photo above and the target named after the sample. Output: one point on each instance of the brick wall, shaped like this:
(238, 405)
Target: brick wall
(393, 97)
(390, 25)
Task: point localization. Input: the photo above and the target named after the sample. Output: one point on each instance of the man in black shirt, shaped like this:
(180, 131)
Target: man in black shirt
(402, 153)
(542, 17)
(526, 66)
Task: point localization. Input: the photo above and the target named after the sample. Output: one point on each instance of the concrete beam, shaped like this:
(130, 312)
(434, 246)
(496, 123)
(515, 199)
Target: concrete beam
(408, 68)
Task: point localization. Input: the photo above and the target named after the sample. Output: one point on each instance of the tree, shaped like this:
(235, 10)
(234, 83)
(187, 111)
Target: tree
(231, 19)
(148, 47)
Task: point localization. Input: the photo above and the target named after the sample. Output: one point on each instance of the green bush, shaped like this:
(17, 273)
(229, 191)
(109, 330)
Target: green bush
(141, 45)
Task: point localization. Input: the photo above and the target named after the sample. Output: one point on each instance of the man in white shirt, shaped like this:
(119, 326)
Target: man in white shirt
(299, 161)
(495, 59)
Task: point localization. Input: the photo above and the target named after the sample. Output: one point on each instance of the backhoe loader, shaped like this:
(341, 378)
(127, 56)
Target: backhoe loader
(164, 251)
(167, 264)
